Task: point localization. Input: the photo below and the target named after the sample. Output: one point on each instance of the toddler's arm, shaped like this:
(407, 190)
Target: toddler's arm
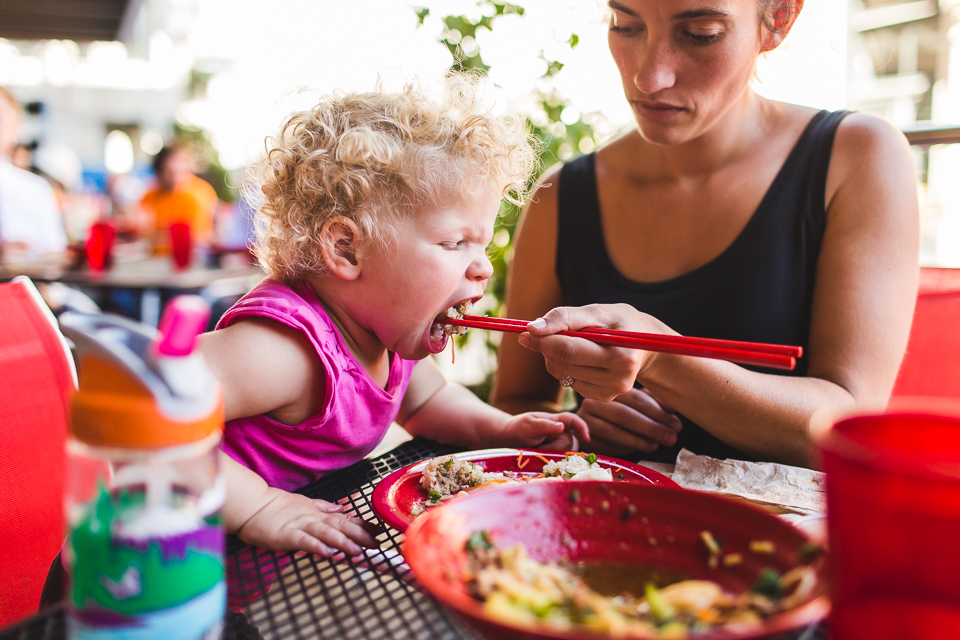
(446, 412)
(275, 519)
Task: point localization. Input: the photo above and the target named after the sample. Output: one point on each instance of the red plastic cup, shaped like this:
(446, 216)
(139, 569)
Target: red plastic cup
(893, 505)
(99, 246)
(181, 245)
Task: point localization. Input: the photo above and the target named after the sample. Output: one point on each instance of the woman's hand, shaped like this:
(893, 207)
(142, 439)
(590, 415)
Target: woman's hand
(540, 429)
(597, 371)
(292, 522)
(634, 420)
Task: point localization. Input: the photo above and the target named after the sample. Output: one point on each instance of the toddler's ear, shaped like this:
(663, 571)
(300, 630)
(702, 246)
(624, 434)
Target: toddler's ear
(339, 241)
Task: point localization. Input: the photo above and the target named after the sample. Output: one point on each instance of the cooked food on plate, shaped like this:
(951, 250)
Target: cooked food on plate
(620, 600)
(448, 476)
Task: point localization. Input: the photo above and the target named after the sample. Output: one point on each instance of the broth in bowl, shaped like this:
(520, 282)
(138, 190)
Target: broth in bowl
(613, 560)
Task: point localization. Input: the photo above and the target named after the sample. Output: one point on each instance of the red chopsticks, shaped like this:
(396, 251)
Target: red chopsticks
(776, 356)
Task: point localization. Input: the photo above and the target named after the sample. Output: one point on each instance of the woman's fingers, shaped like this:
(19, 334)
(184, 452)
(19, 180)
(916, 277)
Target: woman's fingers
(614, 435)
(612, 316)
(604, 371)
(643, 401)
(622, 424)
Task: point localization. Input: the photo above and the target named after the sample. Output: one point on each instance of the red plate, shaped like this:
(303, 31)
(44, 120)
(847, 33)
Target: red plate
(395, 497)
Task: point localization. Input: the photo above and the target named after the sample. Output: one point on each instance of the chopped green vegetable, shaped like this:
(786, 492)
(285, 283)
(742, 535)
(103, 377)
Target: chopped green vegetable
(591, 458)
(660, 609)
(448, 463)
(768, 584)
(435, 496)
(479, 540)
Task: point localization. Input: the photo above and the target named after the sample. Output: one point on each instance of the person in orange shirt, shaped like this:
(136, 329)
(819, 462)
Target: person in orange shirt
(179, 196)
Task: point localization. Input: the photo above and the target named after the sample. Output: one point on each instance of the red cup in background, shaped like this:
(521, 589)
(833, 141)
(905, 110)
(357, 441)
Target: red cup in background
(893, 506)
(99, 246)
(181, 244)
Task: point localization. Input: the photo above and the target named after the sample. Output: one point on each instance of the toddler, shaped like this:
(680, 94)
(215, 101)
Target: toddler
(374, 216)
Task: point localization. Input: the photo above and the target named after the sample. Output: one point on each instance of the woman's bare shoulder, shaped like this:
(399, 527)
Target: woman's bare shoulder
(861, 134)
(867, 152)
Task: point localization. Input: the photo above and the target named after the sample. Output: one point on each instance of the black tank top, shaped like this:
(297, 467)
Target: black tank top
(760, 289)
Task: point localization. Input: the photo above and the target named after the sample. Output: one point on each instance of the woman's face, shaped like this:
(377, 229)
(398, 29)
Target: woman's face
(683, 63)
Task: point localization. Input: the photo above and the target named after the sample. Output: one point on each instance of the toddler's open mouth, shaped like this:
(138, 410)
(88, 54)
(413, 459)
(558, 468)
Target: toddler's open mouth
(439, 330)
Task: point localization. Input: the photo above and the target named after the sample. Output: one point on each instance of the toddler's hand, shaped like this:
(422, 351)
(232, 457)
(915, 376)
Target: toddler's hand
(541, 429)
(291, 522)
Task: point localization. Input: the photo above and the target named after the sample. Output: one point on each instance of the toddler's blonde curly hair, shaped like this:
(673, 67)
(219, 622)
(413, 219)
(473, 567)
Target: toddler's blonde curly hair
(372, 157)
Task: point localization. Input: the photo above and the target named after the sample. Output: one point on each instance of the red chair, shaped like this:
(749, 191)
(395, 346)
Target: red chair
(37, 376)
(931, 366)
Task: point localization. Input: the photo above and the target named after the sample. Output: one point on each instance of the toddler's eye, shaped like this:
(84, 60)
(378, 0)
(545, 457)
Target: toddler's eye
(453, 246)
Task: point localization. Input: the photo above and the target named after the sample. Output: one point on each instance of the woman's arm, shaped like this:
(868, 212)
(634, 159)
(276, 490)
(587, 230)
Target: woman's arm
(637, 420)
(521, 382)
(864, 295)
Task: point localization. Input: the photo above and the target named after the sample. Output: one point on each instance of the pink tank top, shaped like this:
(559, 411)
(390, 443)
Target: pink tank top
(356, 411)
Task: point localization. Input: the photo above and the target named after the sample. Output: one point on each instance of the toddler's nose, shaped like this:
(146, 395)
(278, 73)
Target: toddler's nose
(480, 269)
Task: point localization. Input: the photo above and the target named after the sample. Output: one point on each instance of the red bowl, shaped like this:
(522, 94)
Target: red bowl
(641, 525)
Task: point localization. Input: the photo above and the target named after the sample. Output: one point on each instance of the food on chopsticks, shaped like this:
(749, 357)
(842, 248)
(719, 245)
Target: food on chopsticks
(439, 329)
(456, 311)
(446, 477)
(617, 599)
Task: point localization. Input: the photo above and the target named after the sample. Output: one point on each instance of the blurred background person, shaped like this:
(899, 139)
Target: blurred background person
(178, 196)
(22, 155)
(79, 206)
(31, 225)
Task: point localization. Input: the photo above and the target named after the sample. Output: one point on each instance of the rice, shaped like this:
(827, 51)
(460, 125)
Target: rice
(575, 467)
(447, 475)
(456, 311)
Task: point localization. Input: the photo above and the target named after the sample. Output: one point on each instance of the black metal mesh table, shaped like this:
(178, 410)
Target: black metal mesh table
(371, 596)
(295, 595)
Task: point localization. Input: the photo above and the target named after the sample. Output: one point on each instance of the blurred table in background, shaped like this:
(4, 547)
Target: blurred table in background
(140, 288)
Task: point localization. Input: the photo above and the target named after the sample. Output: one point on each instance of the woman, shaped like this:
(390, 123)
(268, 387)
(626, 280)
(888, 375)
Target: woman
(723, 214)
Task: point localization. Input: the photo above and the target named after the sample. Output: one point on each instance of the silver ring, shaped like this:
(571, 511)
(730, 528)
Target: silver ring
(567, 381)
